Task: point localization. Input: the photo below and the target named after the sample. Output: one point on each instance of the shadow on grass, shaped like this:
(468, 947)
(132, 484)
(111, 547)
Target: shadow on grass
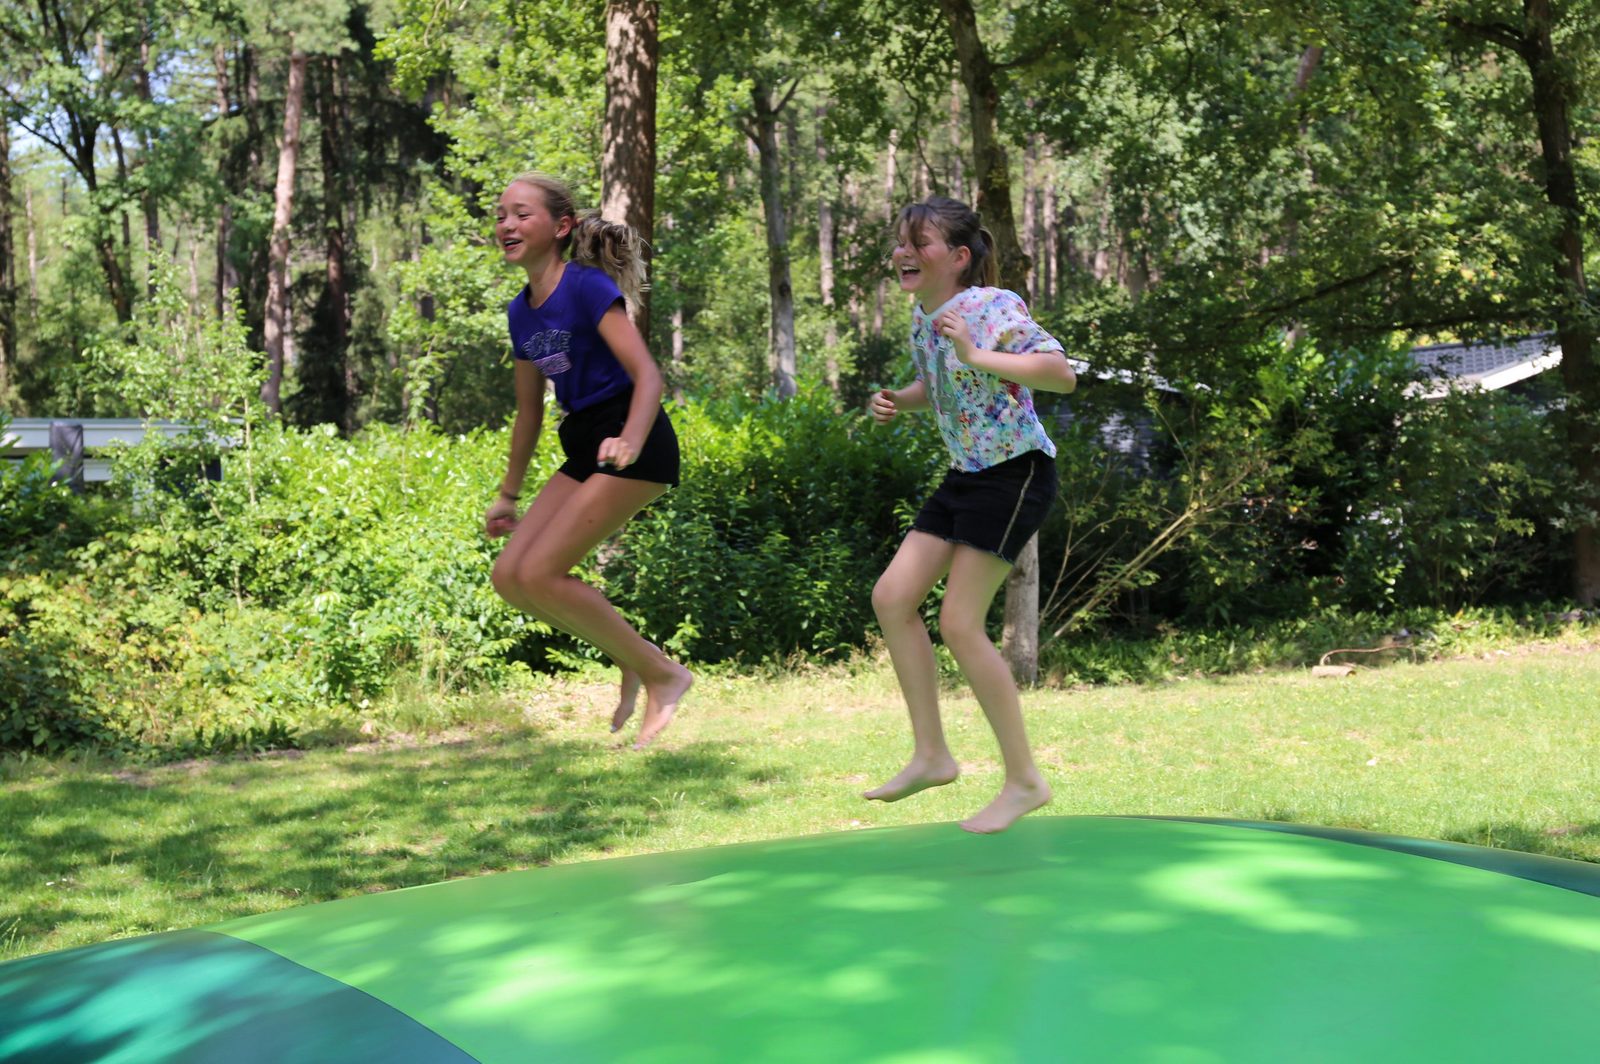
(219, 835)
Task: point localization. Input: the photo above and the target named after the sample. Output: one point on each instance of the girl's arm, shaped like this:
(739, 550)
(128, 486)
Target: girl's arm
(619, 333)
(525, 429)
(887, 402)
(913, 396)
(1040, 371)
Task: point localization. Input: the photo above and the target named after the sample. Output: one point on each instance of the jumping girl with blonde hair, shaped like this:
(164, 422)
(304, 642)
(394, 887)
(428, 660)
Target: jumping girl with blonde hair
(569, 326)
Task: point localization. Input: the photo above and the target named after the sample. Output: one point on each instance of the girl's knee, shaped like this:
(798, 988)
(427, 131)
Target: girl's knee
(503, 578)
(519, 583)
(961, 632)
(889, 601)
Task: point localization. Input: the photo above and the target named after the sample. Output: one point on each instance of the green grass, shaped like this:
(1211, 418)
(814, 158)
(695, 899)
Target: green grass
(1502, 751)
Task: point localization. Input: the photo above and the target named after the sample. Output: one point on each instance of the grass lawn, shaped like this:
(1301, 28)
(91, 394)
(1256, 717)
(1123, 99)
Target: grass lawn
(1502, 750)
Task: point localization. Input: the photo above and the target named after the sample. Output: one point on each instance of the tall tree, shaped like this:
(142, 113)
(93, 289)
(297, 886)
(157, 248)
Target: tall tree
(277, 308)
(766, 107)
(1020, 636)
(226, 272)
(68, 65)
(1554, 83)
(993, 169)
(147, 193)
(825, 253)
(628, 159)
(294, 35)
(8, 261)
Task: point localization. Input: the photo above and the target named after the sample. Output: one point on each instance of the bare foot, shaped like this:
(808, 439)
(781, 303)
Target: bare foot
(1014, 801)
(917, 776)
(661, 702)
(628, 697)
(626, 700)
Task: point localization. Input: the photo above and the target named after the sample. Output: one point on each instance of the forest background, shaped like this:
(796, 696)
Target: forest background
(271, 223)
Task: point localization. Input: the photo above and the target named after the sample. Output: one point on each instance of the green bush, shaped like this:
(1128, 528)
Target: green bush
(264, 608)
(787, 513)
(1361, 496)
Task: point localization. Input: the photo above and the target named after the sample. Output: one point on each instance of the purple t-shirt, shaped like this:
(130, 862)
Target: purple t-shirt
(562, 337)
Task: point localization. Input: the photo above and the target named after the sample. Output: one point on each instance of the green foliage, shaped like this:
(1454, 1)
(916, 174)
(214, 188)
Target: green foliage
(787, 514)
(278, 611)
(32, 503)
(450, 320)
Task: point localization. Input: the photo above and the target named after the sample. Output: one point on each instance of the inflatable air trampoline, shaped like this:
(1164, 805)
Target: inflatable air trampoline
(1064, 939)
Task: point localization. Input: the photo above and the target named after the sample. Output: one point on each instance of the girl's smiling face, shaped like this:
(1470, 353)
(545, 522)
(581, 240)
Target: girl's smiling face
(524, 227)
(924, 263)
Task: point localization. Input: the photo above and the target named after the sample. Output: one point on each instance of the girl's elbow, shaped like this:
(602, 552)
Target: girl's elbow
(649, 378)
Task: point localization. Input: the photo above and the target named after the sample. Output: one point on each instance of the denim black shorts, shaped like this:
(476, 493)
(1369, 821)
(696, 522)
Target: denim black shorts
(997, 509)
(582, 432)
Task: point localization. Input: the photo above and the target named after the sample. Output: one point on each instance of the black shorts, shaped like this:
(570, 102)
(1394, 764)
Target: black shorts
(995, 509)
(582, 432)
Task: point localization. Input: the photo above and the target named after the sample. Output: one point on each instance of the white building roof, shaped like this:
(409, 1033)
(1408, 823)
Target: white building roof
(1486, 366)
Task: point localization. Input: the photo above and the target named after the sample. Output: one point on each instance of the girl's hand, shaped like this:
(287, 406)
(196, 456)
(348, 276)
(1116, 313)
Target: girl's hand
(882, 406)
(500, 518)
(616, 452)
(953, 327)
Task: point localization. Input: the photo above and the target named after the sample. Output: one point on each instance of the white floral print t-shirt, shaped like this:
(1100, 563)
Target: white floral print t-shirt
(984, 419)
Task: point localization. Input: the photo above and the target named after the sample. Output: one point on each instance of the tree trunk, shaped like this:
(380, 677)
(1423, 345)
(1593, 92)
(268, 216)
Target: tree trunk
(33, 246)
(793, 198)
(251, 263)
(1019, 638)
(628, 161)
(677, 353)
(890, 174)
(194, 270)
(1553, 93)
(147, 196)
(8, 265)
(852, 242)
(277, 309)
(1310, 59)
(1050, 270)
(1030, 213)
(1101, 267)
(1020, 643)
(830, 328)
(122, 183)
(958, 173)
(336, 240)
(103, 61)
(780, 291)
(989, 153)
(227, 278)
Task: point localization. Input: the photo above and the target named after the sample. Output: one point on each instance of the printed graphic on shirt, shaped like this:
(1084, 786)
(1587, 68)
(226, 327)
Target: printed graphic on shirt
(549, 351)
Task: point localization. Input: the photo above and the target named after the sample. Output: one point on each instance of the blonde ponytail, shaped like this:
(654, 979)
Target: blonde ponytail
(614, 248)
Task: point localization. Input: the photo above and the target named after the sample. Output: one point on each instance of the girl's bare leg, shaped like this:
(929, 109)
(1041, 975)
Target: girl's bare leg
(975, 576)
(897, 599)
(538, 570)
(549, 502)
